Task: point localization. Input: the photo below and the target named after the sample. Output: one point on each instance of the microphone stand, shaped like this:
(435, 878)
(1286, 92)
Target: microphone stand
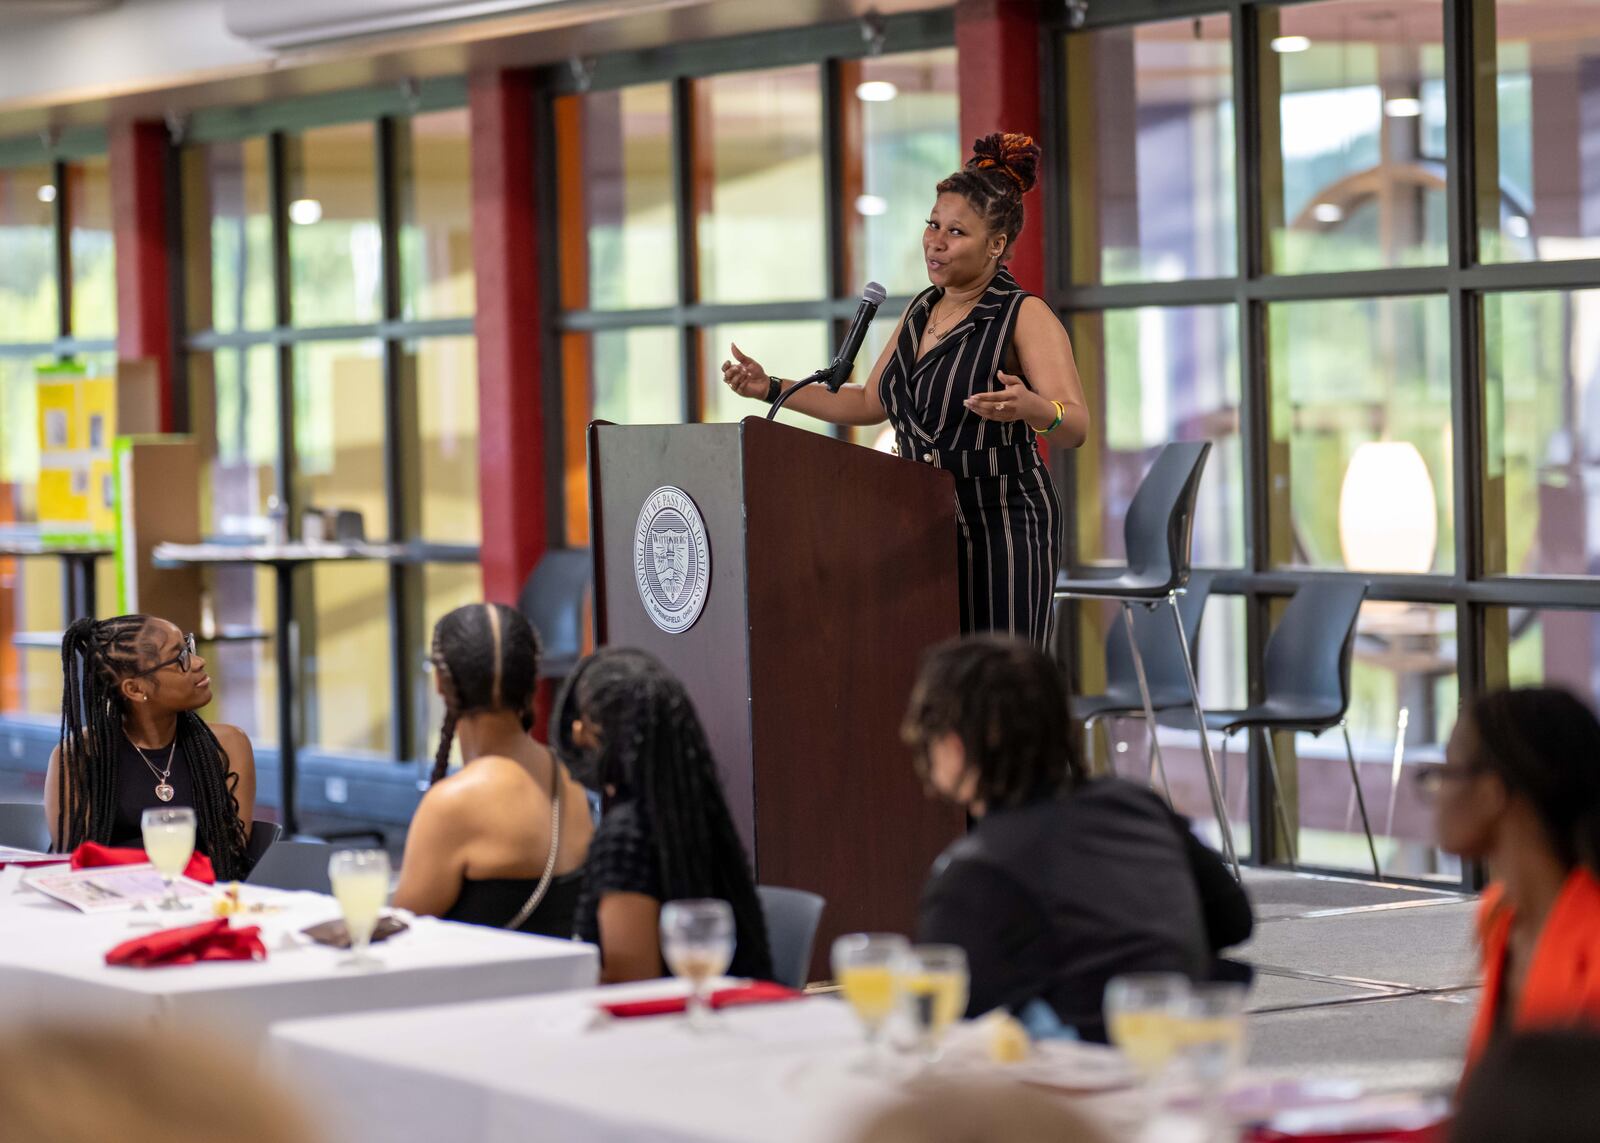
(819, 375)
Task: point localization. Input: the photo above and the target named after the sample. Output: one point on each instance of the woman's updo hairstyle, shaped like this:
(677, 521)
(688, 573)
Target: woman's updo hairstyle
(1002, 169)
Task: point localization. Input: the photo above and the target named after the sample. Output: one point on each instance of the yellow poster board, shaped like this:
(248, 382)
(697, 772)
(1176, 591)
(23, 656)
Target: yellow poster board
(77, 422)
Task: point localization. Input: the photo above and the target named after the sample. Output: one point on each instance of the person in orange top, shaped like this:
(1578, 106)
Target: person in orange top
(1520, 790)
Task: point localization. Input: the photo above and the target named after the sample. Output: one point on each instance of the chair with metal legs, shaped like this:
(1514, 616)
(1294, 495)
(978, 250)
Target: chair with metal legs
(1163, 670)
(1156, 534)
(1307, 671)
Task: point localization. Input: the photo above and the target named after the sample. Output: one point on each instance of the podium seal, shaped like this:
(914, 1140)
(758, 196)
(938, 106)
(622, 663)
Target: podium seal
(671, 559)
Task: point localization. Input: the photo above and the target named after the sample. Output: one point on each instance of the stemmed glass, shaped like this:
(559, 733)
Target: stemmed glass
(168, 843)
(1211, 1038)
(865, 965)
(360, 880)
(1144, 1012)
(697, 939)
(933, 983)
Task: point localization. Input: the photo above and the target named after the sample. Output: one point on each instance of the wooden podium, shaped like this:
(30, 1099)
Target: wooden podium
(828, 569)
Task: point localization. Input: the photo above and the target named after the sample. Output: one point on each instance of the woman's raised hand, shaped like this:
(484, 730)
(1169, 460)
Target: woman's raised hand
(744, 375)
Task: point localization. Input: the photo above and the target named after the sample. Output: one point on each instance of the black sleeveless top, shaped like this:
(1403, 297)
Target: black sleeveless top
(495, 901)
(136, 789)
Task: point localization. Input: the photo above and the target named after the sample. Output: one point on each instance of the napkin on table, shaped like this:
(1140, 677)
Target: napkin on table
(93, 855)
(210, 940)
(758, 992)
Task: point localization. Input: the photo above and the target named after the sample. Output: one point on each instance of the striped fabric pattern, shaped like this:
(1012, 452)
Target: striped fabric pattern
(1008, 520)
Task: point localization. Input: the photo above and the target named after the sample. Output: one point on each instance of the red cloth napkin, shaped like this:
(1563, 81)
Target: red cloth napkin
(1433, 1134)
(93, 855)
(760, 992)
(211, 940)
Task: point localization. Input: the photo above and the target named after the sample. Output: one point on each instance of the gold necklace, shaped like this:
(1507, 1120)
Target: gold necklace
(949, 325)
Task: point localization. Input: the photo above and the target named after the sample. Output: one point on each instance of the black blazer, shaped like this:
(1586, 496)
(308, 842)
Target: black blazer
(1053, 899)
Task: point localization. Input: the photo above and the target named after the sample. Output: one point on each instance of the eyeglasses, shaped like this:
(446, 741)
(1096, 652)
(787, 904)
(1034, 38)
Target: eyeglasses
(184, 658)
(1431, 779)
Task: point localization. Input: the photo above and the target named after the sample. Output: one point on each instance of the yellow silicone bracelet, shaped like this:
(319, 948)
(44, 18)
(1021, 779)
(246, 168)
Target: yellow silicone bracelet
(1061, 415)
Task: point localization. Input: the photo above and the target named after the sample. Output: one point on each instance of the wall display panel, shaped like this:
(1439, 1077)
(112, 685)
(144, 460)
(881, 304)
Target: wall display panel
(1361, 443)
(228, 236)
(339, 429)
(335, 244)
(899, 116)
(28, 279)
(94, 274)
(1152, 376)
(1541, 494)
(1151, 136)
(434, 162)
(1355, 138)
(787, 349)
(618, 213)
(447, 419)
(758, 186)
(1537, 177)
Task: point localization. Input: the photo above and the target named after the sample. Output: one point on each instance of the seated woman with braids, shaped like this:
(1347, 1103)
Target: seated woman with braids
(502, 842)
(665, 832)
(131, 740)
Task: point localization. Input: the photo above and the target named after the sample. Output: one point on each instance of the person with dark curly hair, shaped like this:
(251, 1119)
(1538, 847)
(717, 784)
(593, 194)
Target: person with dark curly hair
(132, 739)
(1063, 882)
(501, 842)
(1520, 791)
(665, 832)
(977, 375)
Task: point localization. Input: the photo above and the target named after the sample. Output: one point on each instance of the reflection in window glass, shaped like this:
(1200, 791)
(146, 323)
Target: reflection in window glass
(1403, 698)
(19, 440)
(878, 436)
(335, 246)
(1539, 169)
(27, 254)
(447, 414)
(759, 204)
(445, 587)
(1361, 419)
(338, 429)
(902, 110)
(635, 377)
(435, 192)
(1547, 647)
(1542, 494)
(94, 276)
(1359, 90)
(225, 214)
(786, 348)
(1152, 376)
(244, 387)
(347, 697)
(618, 215)
(1150, 113)
(245, 672)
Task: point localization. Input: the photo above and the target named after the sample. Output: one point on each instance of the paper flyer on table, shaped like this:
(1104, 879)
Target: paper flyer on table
(10, 855)
(109, 888)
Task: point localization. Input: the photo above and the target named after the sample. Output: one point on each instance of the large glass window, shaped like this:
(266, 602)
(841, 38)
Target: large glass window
(1150, 127)
(335, 246)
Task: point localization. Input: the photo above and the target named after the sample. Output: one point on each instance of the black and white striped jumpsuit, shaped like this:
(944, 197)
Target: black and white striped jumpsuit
(1008, 543)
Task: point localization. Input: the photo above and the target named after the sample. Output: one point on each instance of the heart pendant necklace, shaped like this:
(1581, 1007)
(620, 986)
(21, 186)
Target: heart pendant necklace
(164, 789)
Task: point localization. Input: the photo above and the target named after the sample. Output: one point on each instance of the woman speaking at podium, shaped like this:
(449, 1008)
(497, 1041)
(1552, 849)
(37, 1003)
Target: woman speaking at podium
(977, 370)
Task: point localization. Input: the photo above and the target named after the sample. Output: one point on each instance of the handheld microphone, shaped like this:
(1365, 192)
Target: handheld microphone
(839, 372)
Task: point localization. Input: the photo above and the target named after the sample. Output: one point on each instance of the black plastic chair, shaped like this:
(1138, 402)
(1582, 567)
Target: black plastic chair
(294, 865)
(1163, 667)
(792, 916)
(24, 826)
(263, 835)
(554, 600)
(1306, 666)
(1156, 534)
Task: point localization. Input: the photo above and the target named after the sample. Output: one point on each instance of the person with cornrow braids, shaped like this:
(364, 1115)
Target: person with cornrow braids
(977, 376)
(502, 842)
(665, 832)
(132, 740)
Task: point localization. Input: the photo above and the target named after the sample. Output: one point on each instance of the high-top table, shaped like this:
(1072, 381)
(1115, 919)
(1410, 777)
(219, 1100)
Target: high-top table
(52, 965)
(77, 567)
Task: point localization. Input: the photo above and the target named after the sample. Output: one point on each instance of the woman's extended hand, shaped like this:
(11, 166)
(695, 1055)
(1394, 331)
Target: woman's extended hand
(1016, 402)
(744, 375)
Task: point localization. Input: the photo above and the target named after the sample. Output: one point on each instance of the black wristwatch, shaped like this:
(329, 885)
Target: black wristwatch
(774, 390)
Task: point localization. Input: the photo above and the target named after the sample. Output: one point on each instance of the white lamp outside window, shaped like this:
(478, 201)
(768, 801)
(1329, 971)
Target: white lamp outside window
(1388, 518)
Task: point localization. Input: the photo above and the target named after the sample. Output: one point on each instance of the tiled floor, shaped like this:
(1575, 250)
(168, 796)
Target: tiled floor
(1371, 981)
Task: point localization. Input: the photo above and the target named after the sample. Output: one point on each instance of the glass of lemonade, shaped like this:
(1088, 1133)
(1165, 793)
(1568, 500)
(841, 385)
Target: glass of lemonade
(1211, 1033)
(1144, 1013)
(697, 939)
(361, 885)
(933, 990)
(169, 843)
(865, 965)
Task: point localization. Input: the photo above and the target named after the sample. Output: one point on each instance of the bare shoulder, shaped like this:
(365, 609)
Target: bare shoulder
(235, 743)
(1035, 315)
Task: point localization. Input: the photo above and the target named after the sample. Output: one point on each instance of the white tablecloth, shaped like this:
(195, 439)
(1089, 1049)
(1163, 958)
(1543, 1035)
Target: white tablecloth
(52, 964)
(548, 1068)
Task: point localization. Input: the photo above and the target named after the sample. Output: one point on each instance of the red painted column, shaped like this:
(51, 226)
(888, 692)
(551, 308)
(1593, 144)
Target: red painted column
(511, 475)
(144, 246)
(997, 76)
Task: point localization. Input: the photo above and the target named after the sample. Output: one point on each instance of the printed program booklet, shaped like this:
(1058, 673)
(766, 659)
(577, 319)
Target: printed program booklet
(110, 887)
